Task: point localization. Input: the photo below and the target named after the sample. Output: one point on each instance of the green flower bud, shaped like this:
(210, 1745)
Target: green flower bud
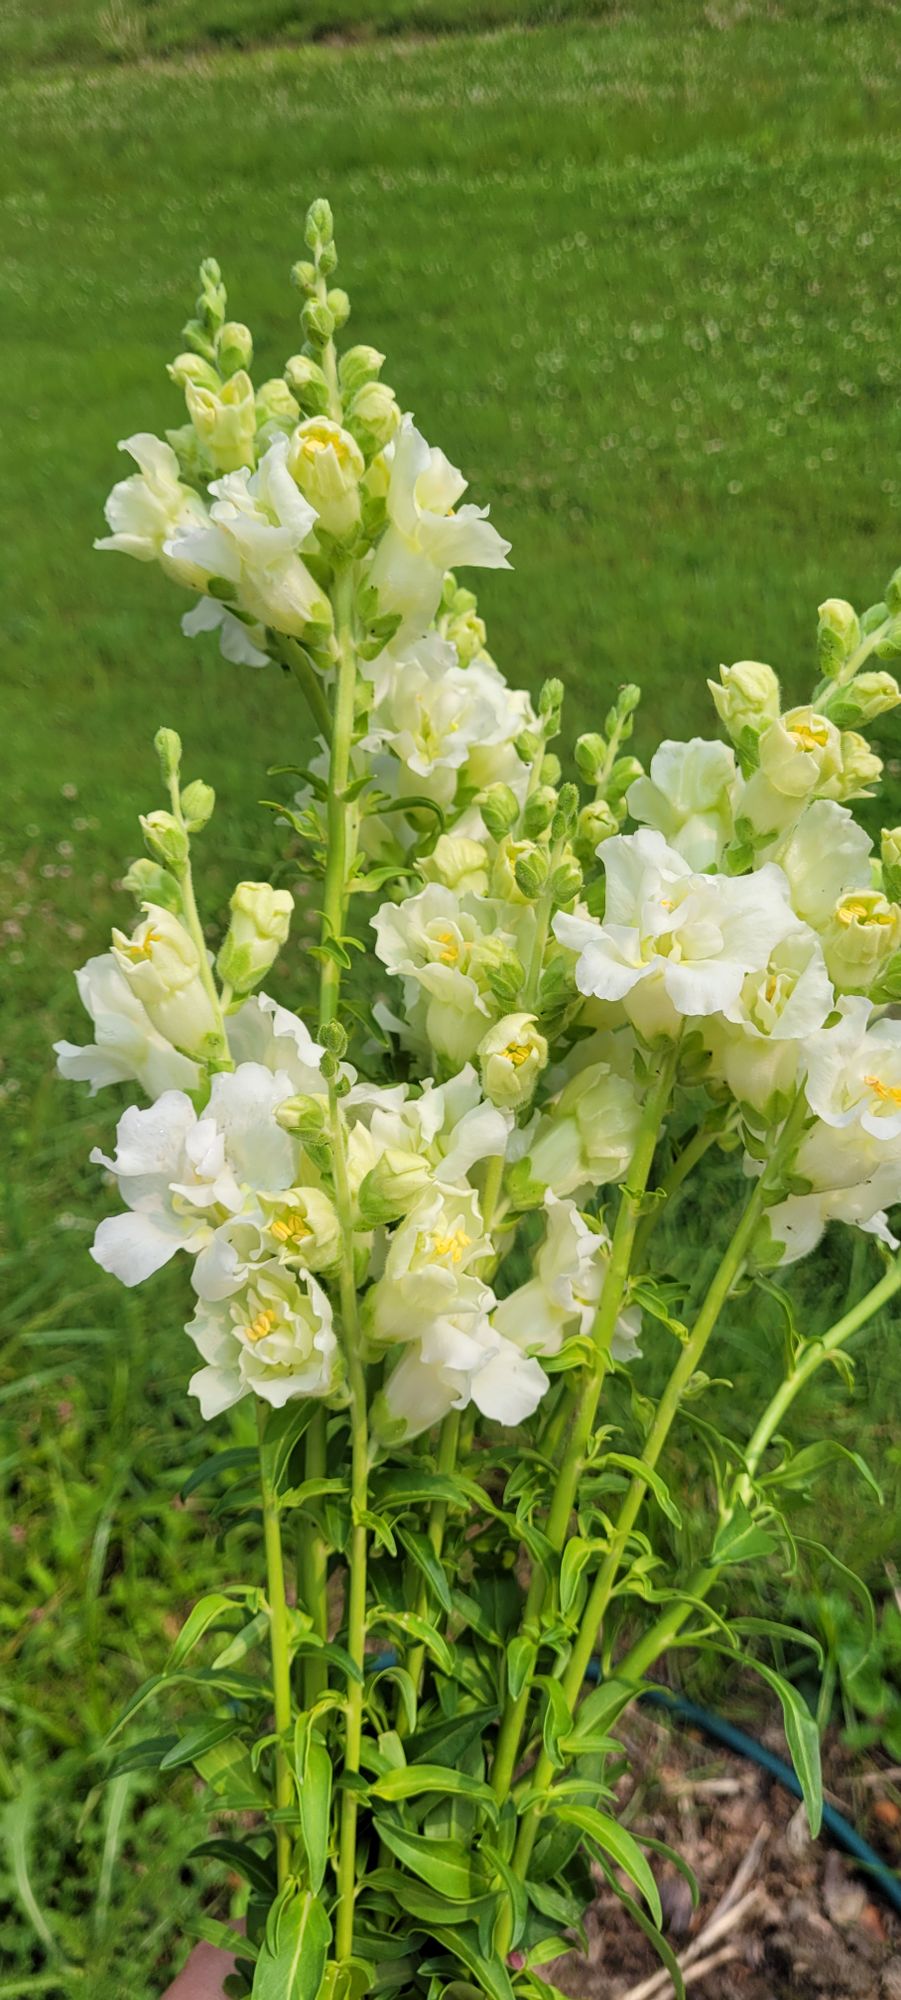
(317, 321)
(149, 883)
(212, 299)
(538, 811)
(889, 647)
(530, 871)
(566, 815)
(305, 1117)
(304, 275)
(497, 967)
(167, 744)
(276, 405)
(320, 225)
(392, 1185)
(225, 420)
(862, 699)
(466, 631)
(499, 808)
(893, 592)
(165, 839)
(624, 773)
(327, 258)
(333, 1037)
(234, 347)
(307, 382)
(590, 753)
(838, 635)
(550, 769)
(511, 1057)
(261, 917)
(566, 881)
(528, 746)
(459, 863)
(359, 365)
(193, 368)
(339, 307)
(891, 862)
(596, 822)
(860, 769)
(197, 802)
(550, 702)
(373, 415)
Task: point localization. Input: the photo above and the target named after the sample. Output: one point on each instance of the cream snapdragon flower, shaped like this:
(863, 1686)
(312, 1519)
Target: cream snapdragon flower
(151, 513)
(275, 1340)
(427, 532)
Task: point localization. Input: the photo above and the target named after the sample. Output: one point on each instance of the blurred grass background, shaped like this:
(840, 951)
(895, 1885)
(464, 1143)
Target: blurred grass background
(637, 269)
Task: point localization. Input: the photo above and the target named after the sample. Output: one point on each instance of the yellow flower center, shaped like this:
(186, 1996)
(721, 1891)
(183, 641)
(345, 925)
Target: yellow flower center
(315, 442)
(450, 947)
(291, 1228)
(856, 911)
(264, 1323)
(517, 1053)
(138, 949)
(451, 1246)
(890, 1093)
(811, 736)
(771, 989)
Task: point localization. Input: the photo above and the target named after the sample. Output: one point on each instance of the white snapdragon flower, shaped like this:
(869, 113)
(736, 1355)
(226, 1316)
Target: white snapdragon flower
(328, 465)
(427, 534)
(824, 857)
(429, 1269)
(688, 940)
(181, 1175)
(242, 645)
(758, 1044)
(854, 1073)
(152, 513)
(458, 863)
(438, 943)
(586, 1137)
(257, 524)
(862, 935)
(460, 1360)
(688, 797)
(161, 966)
(275, 1340)
(433, 715)
(512, 1056)
(804, 756)
(126, 1047)
(853, 1178)
(298, 1226)
(264, 1032)
(449, 1128)
(562, 1297)
(224, 419)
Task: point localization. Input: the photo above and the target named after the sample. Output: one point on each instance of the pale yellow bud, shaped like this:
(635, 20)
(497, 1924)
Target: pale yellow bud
(512, 1056)
(327, 464)
(225, 420)
(161, 965)
(746, 696)
(261, 917)
(863, 933)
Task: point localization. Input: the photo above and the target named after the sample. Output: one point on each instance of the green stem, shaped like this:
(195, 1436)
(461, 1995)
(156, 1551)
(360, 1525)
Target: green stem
(335, 892)
(280, 1650)
(309, 681)
(448, 1446)
(312, 1562)
(684, 1164)
(583, 1399)
(730, 1267)
(194, 926)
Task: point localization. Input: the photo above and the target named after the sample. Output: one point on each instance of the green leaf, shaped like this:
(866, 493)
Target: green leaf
(623, 1849)
(410, 1781)
(515, 1891)
(417, 1629)
(417, 1900)
(221, 1461)
(283, 1429)
(147, 1755)
(575, 1558)
(196, 1741)
(242, 1859)
(803, 1738)
(206, 1612)
(406, 1489)
(421, 1552)
(556, 1721)
(243, 1687)
(741, 1539)
(492, 1975)
(522, 1653)
(450, 1738)
(293, 1955)
(444, 1864)
(314, 1806)
(651, 1932)
(650, 1478)
(796, 1472)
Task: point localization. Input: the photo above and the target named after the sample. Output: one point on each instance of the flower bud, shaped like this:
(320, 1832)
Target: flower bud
(863, 933)
(305, 1117)
(862, 699)
(838, 635)
(167, 744)
(590, 753)
(528, 745)
(891, 862)
(339, 306)
(466, 631)
(530, 870)
(165, 839)
(459, 863)
(192, 368)
(538, 811)
(162, 968)
(373, 415)
(327, 464)
(596, 823)
(511, 1057)
(746, 697)
(234, 347)
(860, 767)
(150, 883)
(497, 966)
(302, 1228)
(197, 802)
(317, 321)
(333, 1036)
(304, 275)
(390, 1188)
(307, 382)
(566, 881)
(889, 646)
(358, 365)
(893, 592)
(225, 420)
(550, 702)
(624, 773)
(261, 917)
(276, 405)
(499, 807)
(801, 753)
(319, 227)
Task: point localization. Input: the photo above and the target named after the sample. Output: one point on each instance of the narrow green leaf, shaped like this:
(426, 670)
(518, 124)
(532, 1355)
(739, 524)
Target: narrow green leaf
(741, 1539)
(620, 1845)
(522, 1653)
(451, 1737)
(411, 1781)
(417, 1629)
(314, 1802)
(491, 1973)
(221, 1461)
(573, 1562)
(206, 1612)
(293, 1955)
(444, 1864)
(242, 1859)
(556, 1721)
(658, 1486)
(425, 1905)
(421, 1552)
(196, 1741)
(147, 1755)
(795, 1473)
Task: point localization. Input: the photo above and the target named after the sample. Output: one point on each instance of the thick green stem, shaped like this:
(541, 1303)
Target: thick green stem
(583, 1399)
(730, 1267)
(312, 1562)
(683, 1165)
(308, 679)
(280, 1650)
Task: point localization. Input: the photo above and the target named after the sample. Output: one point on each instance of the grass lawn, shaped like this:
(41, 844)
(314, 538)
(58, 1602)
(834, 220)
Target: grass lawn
(638, 272)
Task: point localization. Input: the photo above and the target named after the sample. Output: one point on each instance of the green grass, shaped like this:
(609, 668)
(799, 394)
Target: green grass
(640, 277)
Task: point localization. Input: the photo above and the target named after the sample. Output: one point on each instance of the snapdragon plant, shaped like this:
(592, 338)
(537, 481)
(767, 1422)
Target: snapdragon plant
(425, 1216)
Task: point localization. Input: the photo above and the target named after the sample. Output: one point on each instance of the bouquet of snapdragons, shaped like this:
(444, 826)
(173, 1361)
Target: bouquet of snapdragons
(427, 1217)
